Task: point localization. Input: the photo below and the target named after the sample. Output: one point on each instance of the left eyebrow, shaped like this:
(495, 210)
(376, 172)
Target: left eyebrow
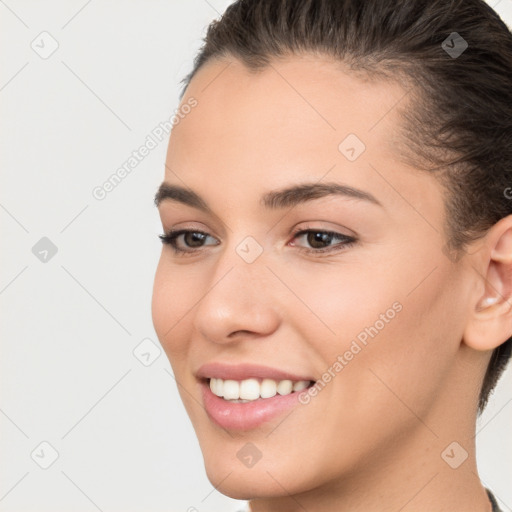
(303, 192)
(275, 199)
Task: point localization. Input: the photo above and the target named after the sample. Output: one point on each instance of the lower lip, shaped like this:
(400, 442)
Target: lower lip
(248, 415)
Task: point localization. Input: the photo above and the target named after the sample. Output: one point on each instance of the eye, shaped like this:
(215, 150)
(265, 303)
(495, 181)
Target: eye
(192, 238)
(320, 240)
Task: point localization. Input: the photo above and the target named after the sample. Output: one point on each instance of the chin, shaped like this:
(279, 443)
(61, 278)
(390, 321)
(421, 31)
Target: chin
(247, 484)
(265, 479)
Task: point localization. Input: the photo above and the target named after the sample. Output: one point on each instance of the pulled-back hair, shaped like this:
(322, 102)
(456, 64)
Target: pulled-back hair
(458, 123)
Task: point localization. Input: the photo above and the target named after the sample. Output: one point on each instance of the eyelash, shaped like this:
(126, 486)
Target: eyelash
(346, 241)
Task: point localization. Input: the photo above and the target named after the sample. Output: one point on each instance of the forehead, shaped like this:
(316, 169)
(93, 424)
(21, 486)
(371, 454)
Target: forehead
(259, 130)
(298, 104)
(309, 84)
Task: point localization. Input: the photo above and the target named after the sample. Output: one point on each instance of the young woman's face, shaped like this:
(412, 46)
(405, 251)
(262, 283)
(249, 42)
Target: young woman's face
(377, 322)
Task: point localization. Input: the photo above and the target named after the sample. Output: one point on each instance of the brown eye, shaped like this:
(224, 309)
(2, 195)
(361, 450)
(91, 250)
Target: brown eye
(317, 239)
(192, 239)
(320, 241)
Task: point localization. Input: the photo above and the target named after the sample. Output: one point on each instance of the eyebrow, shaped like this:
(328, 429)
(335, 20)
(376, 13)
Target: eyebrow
(275, 199)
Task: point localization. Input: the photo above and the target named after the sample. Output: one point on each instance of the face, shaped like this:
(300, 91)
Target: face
(350, 289)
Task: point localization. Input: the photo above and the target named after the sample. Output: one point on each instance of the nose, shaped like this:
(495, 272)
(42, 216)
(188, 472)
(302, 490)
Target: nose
(238, 302)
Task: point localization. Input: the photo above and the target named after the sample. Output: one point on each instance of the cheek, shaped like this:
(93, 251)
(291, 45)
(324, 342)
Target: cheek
(384, 322)
(336, 302)
(171, 301)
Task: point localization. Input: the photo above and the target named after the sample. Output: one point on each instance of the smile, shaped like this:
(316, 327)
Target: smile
(234, 413)
(249, 390)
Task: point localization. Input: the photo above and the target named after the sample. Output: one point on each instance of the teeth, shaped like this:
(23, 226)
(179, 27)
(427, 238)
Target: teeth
(285, 387)
(249, 390)
(231, 390)
(302, 384)
(268, 388)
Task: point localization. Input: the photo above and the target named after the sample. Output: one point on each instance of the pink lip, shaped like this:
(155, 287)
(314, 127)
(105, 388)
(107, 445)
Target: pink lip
(246, 371)
(249, 415)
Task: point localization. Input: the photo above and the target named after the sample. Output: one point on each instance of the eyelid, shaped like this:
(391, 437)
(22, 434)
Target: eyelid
(172, 217)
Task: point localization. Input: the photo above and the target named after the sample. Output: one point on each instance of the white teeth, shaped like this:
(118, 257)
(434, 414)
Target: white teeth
(299, 386)
(268, 388)
(231, 390)
(285, 387)
(252, 389)
(215, 386)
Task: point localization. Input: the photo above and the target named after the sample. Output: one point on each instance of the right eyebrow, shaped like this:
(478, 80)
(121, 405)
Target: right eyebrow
(183, 195)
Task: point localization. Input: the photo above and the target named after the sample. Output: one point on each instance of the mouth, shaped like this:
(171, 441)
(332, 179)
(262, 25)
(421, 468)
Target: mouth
(248, 404)
(253, 389)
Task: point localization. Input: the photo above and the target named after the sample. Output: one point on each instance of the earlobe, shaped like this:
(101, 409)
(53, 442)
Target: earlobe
(490, 322)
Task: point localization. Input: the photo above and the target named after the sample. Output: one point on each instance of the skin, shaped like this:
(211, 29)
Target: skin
(372, 438)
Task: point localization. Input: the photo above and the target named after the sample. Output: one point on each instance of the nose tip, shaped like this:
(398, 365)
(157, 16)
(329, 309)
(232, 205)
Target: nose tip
(239, 304)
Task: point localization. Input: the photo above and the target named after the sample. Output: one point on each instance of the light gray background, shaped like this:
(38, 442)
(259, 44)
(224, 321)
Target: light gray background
(69, 327)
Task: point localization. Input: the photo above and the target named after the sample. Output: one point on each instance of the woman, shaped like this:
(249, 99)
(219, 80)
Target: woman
(334, 288)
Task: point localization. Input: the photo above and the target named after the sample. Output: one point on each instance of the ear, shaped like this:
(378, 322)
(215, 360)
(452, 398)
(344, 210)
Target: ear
(490, 322)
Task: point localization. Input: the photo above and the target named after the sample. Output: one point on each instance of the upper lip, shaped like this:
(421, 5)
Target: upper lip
(223, 371)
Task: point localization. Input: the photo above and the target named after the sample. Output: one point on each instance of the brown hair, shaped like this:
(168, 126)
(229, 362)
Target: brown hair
(461, 125)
